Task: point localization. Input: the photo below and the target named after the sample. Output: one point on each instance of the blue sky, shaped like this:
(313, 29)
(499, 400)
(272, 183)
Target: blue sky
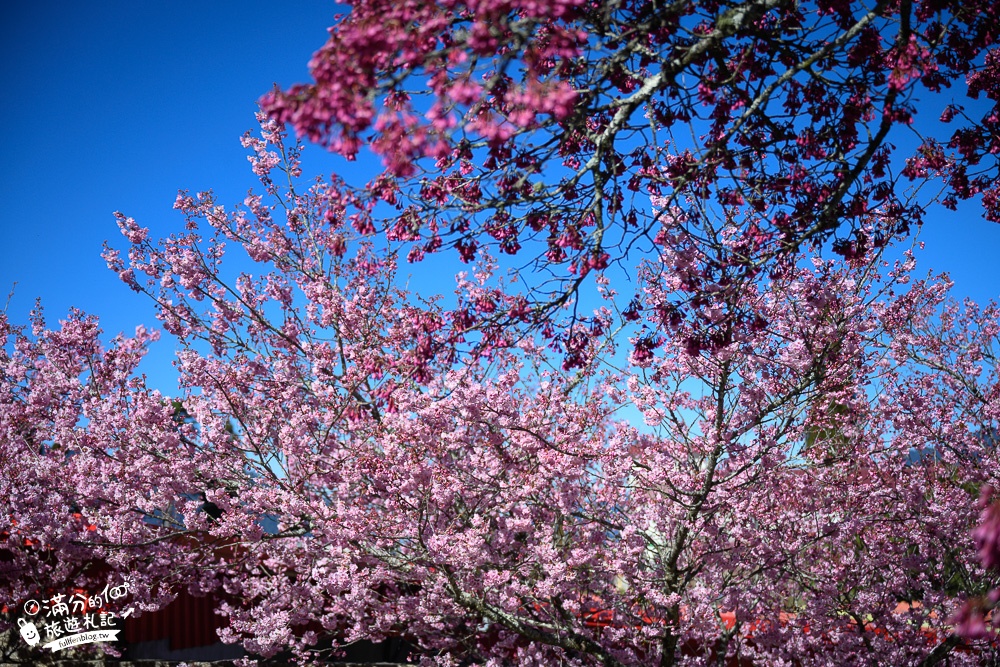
(116, 105)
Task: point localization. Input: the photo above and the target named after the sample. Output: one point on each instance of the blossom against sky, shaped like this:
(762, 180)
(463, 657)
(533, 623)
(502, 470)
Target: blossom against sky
(117, 105)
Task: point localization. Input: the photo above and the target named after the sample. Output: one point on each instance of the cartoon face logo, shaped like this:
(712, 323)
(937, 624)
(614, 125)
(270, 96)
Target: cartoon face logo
(29, 632)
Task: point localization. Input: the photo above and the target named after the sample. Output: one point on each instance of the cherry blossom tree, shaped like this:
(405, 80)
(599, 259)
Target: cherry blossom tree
(799, 487)
(539, 129)
(93, 464)
(766, 450)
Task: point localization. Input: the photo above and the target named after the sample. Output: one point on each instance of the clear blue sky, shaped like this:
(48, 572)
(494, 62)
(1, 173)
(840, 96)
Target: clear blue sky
(115, 105)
